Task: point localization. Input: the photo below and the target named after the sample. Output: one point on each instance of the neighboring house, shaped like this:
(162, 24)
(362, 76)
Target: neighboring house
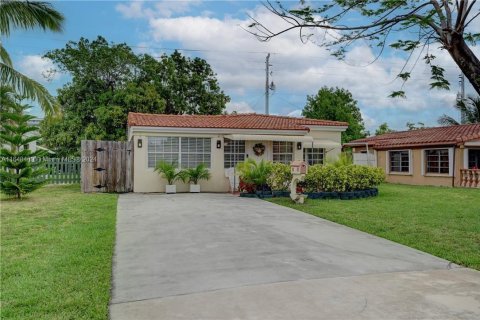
(441, 156)
(222, 141)
(34, 146)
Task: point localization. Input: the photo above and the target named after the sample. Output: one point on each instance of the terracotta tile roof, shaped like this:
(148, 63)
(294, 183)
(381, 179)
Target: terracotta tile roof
(430, 136)
(231, 121)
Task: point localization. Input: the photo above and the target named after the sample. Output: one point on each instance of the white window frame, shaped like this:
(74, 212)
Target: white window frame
(234, 153)
(410, 162)
(283, 153)
(450, 163)
(314, 153)
(179, 162)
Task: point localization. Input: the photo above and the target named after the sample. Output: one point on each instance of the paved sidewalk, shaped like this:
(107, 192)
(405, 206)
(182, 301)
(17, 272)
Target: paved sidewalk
(216, 256)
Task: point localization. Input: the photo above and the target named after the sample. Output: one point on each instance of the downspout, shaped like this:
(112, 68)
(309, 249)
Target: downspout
(453, 174)
(368, 155)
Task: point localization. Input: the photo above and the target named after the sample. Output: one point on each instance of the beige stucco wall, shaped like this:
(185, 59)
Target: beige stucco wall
(416, 177)
(147, 180)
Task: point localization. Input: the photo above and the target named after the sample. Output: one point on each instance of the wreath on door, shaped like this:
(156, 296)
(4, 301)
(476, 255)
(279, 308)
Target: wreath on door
(259, 149)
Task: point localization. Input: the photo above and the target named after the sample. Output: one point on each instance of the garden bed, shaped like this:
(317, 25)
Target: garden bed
(349, 195)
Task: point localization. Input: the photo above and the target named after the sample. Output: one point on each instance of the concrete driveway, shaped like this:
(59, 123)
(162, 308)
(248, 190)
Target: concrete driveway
(216, 256)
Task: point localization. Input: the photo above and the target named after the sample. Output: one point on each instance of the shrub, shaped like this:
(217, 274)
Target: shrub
(198, 173)
(280, 176)
(169, 172)
(256, 173)
(342, 178)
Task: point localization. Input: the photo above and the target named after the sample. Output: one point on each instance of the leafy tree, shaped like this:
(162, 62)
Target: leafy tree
(336, 104)
(27, 15)
(422, 24)
(109, 80)
(189, 86)
(470, 110)
(412, 126)
(19, 175)
(382, 129)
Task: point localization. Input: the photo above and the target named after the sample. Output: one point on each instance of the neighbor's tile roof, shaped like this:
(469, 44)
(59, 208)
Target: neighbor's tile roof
(429, 136)
(231, 121)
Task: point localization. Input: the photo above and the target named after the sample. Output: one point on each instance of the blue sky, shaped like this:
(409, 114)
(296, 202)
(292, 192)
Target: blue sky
(213, 28)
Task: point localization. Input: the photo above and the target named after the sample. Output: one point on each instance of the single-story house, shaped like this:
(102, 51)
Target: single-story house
(440, 156)
(222, 141)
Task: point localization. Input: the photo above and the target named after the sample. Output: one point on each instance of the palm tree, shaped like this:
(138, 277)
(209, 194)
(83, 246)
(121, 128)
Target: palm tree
(27, 15)
(470, 109)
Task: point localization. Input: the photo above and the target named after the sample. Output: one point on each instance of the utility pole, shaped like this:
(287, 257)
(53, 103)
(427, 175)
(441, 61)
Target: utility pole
(461, 96)
(267, 85)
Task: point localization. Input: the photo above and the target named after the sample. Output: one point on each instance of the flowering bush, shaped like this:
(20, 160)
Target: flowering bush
(280, 176)
(246, 187)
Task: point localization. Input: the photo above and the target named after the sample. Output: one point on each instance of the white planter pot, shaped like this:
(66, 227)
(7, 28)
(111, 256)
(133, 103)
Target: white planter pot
(170, 188)
(195, 188)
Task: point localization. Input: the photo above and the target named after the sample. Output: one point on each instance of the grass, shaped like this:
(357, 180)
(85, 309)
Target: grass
(444, 222)
(56, 254)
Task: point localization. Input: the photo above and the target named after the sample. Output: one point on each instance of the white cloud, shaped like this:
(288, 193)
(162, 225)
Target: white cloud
(136, 8)
(299, 69)
(295, 113)
(38, 68)
(239, 107)
(132, 10)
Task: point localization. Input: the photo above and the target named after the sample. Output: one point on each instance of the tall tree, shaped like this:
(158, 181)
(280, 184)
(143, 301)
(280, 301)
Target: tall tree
(109, 80)
(18, 174)
(470, 110)
(188, 85)
(338, 105)
(412, 24)
(27, 15)
(412, 126)
(382, 129)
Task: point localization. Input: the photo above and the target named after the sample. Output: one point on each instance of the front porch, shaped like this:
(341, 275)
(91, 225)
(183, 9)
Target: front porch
(274, 148)
(470, 173)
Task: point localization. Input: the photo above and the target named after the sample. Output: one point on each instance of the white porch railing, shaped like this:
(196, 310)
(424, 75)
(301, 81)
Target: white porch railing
(470, 178)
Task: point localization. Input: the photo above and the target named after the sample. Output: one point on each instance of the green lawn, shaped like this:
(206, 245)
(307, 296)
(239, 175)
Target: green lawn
(442, 221)
(56, 254)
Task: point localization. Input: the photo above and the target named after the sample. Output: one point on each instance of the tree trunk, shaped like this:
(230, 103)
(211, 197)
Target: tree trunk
(465, 59)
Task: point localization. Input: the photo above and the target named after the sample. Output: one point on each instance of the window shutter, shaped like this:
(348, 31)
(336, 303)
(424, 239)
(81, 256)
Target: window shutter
(422, 168)
(410, 161)
(450, 162)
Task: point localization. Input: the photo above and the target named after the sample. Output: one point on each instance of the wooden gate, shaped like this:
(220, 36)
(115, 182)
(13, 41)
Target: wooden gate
(107, 166)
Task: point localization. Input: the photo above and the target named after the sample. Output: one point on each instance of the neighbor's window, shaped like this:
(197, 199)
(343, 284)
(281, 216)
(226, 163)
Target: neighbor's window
(163, 149)
(234, 152)
(437, 161)
(313, 155)
(473, 158)
(184, 152)
(399, 161)
(282, 151)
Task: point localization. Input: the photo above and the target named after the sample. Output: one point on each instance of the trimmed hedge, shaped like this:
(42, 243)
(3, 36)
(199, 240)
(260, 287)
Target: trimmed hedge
(328, 178)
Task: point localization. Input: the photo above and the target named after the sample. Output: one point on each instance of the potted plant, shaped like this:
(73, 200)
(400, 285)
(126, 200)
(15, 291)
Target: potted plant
(196, 174)
(256, 173)
(169, 172)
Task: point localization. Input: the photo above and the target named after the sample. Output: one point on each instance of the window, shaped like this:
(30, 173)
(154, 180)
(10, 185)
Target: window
(162, 149)
(282, 151)
(473, 158)
(399, 161)
(313, 155)
(184, 152)
(234, 152)
(437, 161)
(195, 151)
